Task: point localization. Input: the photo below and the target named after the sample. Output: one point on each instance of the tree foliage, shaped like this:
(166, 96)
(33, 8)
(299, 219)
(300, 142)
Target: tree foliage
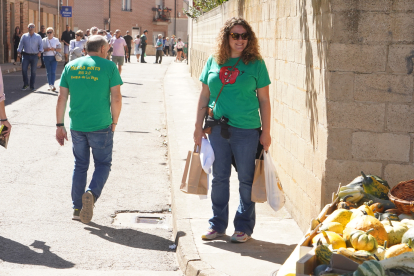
(202, 6)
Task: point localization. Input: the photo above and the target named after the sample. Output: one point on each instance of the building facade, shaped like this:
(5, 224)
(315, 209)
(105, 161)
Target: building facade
(21, 13)
(164, 17)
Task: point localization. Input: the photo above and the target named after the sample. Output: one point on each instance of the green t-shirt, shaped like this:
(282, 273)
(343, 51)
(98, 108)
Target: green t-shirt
(89, 80)
(238, 100)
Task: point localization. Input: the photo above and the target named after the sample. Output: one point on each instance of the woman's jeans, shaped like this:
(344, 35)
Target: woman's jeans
(243, 146)
(101, 142)
(51, 64)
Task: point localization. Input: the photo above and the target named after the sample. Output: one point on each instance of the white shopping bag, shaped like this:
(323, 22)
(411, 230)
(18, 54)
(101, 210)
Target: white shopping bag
(207, 160)
(275, 194)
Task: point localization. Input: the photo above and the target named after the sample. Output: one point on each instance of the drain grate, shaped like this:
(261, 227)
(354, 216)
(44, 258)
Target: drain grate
(142, 220)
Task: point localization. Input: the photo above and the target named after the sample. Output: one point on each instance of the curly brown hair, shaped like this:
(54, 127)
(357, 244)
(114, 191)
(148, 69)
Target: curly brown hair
(222, 51)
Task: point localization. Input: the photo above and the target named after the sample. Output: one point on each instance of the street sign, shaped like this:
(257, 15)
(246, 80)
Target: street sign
(66, 11)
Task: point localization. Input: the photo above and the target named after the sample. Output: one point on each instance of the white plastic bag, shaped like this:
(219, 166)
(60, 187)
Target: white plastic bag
(275, 195)
(207, 160)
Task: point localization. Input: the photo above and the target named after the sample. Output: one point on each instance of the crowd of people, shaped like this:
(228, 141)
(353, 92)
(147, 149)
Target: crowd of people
(31, 46)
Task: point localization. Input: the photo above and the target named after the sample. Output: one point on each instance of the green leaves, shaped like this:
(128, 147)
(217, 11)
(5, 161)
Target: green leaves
(202, 6)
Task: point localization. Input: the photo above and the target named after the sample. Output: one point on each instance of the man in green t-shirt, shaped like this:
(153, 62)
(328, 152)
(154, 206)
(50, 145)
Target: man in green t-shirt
(93, 84)
(143, 45)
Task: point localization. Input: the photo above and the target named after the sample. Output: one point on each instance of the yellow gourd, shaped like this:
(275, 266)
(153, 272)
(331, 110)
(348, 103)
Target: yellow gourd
(398, 249)
(341, 215)
(333, 227)
(380, 251)
(365, 223)
(331, 238)
(395, 231)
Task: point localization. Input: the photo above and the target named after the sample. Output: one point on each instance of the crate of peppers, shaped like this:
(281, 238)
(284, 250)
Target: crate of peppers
(368, 230)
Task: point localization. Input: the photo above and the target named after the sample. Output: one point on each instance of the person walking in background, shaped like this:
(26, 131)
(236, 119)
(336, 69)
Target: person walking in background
(77, 46)
(119, 48)
(87, 34)
(95, 106)
(42, 34)
(167, 46)
(16, 40)
(143, 44)
(180, 46)
(137, 49)
(94, 30)
(172, 45)
(128, 40)
(3, 118)
(237, 50)
(67, 36)
(163, 44)
(185, 50)
(30, 48)
(108, 35)
(51, 45)
(158, 47)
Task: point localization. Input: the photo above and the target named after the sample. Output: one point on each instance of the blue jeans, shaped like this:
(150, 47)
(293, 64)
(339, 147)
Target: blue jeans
(51, 64)
(32, 60)
(243, 146)
(101, 142)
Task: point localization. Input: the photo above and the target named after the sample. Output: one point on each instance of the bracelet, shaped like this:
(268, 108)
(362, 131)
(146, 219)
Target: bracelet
(2, 120)
(59, 125)
(114, 123)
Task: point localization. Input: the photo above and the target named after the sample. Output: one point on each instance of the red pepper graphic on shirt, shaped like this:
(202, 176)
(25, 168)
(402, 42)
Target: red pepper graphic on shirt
(228, 74)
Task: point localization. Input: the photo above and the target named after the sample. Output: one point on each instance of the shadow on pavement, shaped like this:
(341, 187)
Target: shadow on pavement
(133, 83)
(130, 237)
(14, 252)
(132, 131)
(258, 249)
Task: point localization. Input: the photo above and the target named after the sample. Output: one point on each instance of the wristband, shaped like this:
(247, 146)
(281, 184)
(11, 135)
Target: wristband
(2, 120)
(59, 125)
(114, 123)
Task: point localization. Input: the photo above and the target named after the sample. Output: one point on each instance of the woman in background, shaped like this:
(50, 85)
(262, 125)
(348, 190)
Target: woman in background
(138, 50)
(16, 40)
(51, 45)
(79, 44)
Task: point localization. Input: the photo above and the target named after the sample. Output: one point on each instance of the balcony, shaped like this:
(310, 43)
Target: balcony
(162, 16)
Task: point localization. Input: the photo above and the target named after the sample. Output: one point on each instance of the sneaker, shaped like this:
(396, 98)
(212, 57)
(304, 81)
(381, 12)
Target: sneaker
(25, 87)
(50, 87)
(240, 237)
(211, 234)
(88, 201)
(76, 214)
(53, 88)
(32, 89)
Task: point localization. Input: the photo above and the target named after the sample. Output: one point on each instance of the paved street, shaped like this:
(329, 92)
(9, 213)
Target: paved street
(37, 235)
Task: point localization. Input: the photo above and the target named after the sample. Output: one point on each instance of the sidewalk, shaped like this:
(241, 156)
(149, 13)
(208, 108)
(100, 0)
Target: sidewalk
(276, 234)
(7, 68)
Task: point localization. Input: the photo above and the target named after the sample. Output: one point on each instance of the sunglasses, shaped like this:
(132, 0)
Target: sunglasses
(49, 32)
(78, 35)
(236, 36)
(31, 27)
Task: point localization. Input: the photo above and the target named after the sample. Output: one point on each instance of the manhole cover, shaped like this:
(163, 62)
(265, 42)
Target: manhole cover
(143, 220)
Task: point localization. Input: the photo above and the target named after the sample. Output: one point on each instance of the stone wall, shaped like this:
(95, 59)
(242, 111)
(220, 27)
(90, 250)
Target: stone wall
(341, 92)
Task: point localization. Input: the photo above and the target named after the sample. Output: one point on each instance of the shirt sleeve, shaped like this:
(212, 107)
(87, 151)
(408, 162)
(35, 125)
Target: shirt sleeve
(40, 45)
(125, 44)
(63, 80)
(263, 79)
(2, 96)
(115, 79)
(20, 48)
(204, 74)
(71, 46)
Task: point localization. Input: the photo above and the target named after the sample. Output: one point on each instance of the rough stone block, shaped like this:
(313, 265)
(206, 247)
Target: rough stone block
(362, 116)
(339, 143)
(403, 30)
(383, 88)
(357, 58)
(400, 117)
(381, 146)
(340, 86)
(395, 173)
(403, 5)
(400, 58)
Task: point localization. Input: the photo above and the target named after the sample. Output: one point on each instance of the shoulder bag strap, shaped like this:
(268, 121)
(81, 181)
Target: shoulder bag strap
(215, 102)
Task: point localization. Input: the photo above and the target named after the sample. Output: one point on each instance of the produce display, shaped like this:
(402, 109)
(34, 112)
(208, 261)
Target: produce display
(368, 229)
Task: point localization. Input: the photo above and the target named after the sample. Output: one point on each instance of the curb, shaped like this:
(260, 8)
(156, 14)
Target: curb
(188, 257)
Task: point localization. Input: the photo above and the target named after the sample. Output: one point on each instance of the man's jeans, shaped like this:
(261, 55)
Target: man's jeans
(129, 55)
(158, 54)
(101, 142)
(32, 60)
(51, 65)
(243, 145)
(143, 47)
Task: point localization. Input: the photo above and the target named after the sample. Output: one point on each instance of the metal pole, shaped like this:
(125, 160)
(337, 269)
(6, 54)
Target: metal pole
(58, 21)
(175, 17)
(67, 19)
(39, 16)
(109, 23)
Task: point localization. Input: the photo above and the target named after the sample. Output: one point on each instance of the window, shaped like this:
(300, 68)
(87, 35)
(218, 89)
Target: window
(126, 5)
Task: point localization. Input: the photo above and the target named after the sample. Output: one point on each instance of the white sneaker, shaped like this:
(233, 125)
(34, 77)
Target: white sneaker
(240, 237)
(53, 88)
(211, 234)
(50, 87)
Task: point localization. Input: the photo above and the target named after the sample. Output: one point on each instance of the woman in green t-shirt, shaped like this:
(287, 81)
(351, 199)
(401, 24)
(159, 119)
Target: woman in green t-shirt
(238, 71)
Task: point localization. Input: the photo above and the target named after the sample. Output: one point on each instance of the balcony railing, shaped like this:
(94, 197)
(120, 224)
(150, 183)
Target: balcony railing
(161, 16)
